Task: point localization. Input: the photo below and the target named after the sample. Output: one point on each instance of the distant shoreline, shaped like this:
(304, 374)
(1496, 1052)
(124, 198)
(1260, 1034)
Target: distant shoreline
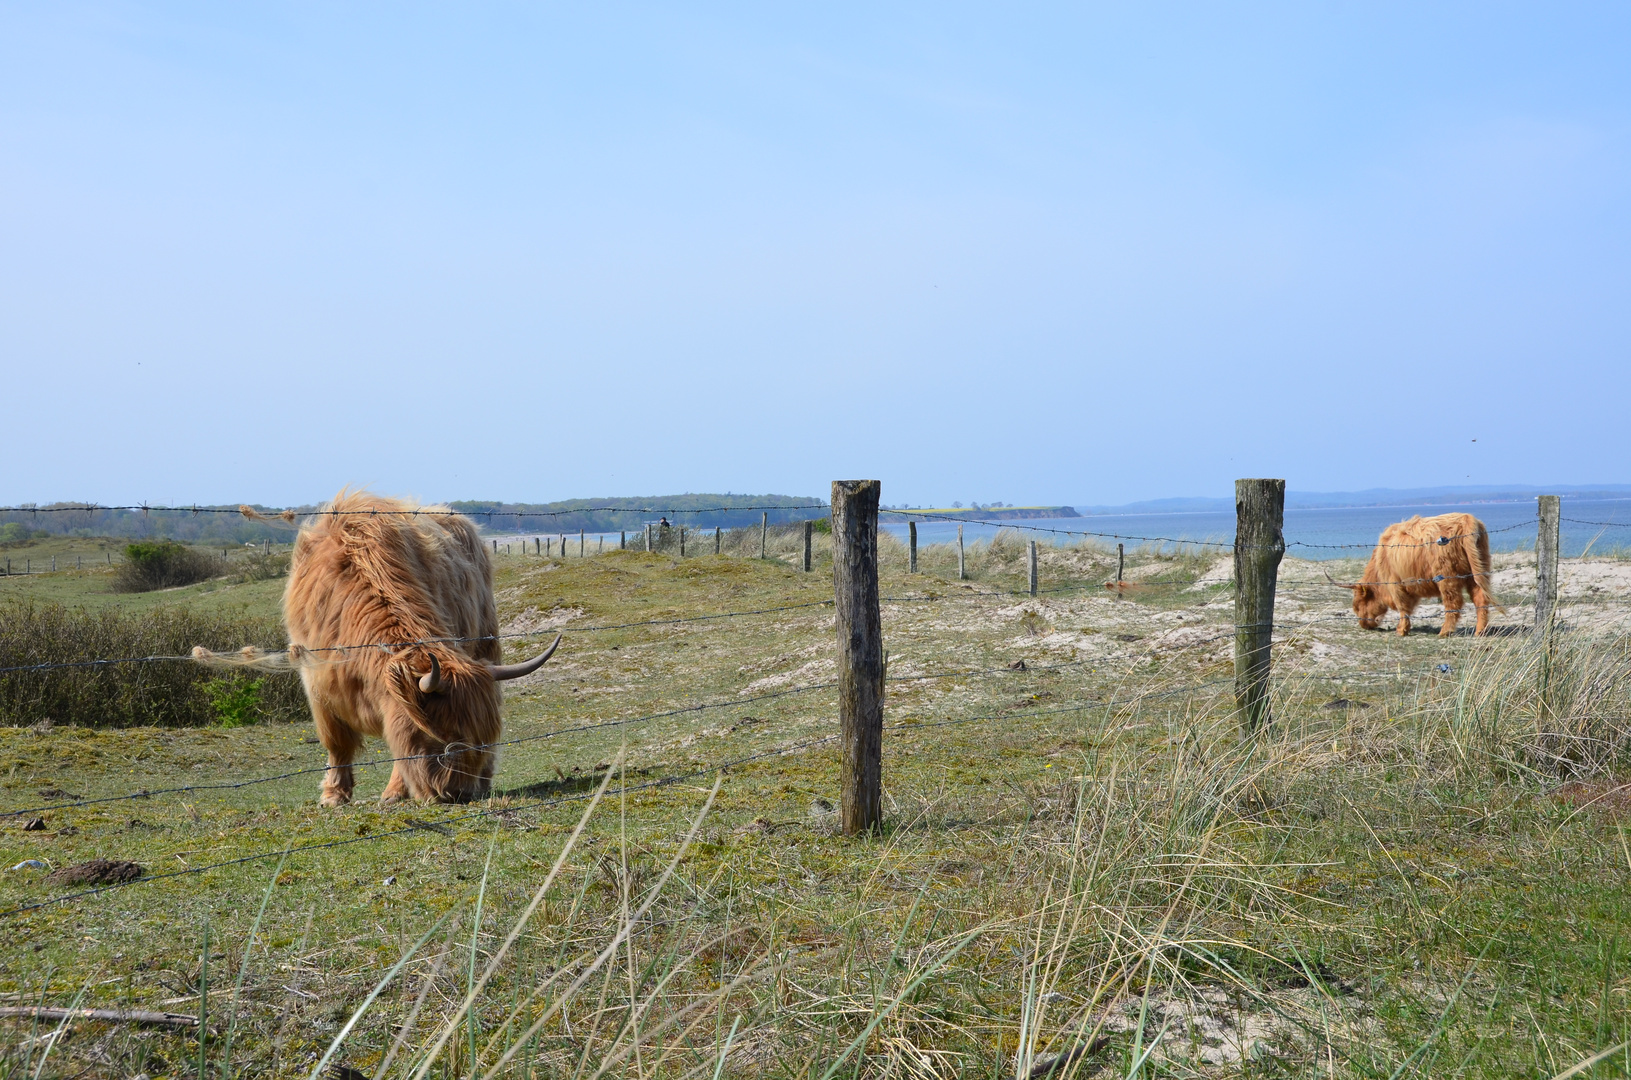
(995, 513)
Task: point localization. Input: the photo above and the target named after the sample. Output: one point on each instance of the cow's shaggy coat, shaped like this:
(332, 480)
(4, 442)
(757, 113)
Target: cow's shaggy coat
(1444, 556)
(374, 573)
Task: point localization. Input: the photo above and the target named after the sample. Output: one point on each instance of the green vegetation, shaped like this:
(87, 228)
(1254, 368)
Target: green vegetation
(237, 702)
(1414, 872)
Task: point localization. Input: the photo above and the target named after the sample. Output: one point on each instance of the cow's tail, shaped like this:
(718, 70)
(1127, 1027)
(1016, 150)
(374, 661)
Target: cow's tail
(1475, 545)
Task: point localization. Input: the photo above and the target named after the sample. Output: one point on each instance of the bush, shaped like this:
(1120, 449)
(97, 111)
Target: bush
(169, 693)
(164, 564)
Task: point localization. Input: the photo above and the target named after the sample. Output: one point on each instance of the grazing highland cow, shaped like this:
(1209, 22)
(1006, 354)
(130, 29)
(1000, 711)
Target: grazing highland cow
(1422, 558)
(368, 570)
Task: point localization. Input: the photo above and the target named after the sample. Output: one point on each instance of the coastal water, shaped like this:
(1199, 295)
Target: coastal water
(1589, 526)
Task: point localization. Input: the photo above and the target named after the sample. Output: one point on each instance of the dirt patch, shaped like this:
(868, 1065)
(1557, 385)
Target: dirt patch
(1609, 796)
(96, 872)
(533, 621)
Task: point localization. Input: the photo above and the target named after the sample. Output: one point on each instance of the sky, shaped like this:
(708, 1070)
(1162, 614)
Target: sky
(1030, 253)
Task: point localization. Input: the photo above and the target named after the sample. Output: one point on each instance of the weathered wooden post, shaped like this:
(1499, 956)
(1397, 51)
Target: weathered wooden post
(600, 544)
(1546, 545)
(580, 543)
(809, 530)
(648, 536)
(1259, 545)
(716, 539)
(495, 547)
(911, 546)
(682, 541)
(537, 546)
(1033, 567)
(962, 574)
(549, 547)
(563, 547)
(623, 540)
(1121, 563)
(860, 652)
(764, 532)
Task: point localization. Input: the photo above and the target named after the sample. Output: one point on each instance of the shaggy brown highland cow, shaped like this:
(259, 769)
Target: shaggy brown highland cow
(1415, 560)
(369, 569)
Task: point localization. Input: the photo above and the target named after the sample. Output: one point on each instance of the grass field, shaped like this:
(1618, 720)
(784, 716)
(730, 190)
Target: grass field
(1415, 872)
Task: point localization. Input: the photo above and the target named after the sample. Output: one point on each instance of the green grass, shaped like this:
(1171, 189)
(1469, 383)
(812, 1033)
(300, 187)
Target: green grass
(1403, 888)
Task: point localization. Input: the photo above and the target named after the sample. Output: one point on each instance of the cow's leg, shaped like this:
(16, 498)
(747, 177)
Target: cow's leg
(415, 758)
(1449, 591)
(1407, 607)
(342, 743)
(1481, 604)
(397, 789)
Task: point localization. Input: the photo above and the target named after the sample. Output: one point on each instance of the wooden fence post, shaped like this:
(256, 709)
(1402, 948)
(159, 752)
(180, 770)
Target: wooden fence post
(764, 532)
(1121, 563)
(623, 540)
(1033, 567)
(911, 546)
(860, 652)
(495, 547)
(648, 536)
(682, 541)
(809, 530)
(1546, 545)
(600, 544)
(1259, 545)
(716, 539)
(962, 574)
(580, 543)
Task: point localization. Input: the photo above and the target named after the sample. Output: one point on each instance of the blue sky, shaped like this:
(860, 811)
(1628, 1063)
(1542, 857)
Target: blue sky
(1079, 253)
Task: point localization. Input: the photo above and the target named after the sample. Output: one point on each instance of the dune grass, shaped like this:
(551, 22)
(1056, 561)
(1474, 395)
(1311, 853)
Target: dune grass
(1404, 876)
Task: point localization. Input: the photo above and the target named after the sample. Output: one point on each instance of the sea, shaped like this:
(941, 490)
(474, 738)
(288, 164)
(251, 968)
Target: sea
(1589, 526)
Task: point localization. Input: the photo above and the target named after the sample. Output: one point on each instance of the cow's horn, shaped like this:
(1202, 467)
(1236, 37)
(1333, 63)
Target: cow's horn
(501, 672)
(431, 681)
(1338, 584)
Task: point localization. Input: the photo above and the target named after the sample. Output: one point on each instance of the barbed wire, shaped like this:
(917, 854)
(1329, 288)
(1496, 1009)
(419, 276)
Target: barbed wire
(270, 516)
(1015, 524)
(541, 804)
(736, 702)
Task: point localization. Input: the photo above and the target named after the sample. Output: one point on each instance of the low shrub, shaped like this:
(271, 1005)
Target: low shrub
(169, 693)
(263, 566)
(164, 564)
